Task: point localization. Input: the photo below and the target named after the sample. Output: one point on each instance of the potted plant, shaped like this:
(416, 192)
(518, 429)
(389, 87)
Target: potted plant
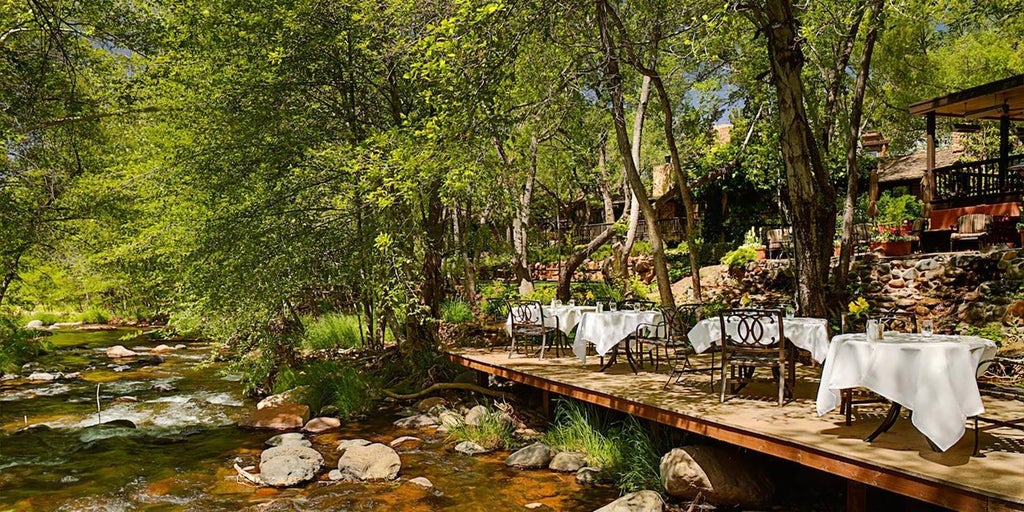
(752, 241)
(894, 242)
(738, 259)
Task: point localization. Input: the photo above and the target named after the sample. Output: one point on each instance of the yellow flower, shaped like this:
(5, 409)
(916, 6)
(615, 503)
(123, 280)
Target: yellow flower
(858, 307)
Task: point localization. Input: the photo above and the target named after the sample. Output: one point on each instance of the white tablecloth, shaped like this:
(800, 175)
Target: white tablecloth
(810, 334)
(568, 316)
(934, 376)
(606, 329)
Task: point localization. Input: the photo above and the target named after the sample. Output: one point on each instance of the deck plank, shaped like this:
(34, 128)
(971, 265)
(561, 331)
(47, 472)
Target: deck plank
(899, 461)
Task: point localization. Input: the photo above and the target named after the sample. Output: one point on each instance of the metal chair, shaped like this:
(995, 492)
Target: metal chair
(687, 315)
(759, 341)
(1002, 378)
(779, 242)
(643, 304)
(899, 321)
(528, 321)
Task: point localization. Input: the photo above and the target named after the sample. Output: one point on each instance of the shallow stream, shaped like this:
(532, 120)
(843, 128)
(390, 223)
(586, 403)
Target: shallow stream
(180, 456)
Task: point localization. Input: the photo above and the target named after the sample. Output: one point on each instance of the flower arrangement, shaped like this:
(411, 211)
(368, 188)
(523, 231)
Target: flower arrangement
(891, 234)
(858, 308)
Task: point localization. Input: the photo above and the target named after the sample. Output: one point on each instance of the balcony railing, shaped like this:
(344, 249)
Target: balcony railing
(978, 180)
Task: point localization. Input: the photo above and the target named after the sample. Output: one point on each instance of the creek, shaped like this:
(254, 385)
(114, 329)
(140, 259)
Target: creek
(55, 456)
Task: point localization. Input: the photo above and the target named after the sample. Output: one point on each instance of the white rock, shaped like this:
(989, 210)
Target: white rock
(161, 349)
(34, 324)
(422, 482)
(643, 501)
(288, 438)
(322, 424)
(349, 443)
(417, 421)
(371, 462)
(288, 465)
(118, 351)
(42, 376)
(406, 443)
(470, 448)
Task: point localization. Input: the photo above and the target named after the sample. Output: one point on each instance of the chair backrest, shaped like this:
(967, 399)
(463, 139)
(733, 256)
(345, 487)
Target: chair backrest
(899, 321)
(973, 223)
(862, 232)
(526, 313)
(643, 303)
(776, 237)
(756, 330)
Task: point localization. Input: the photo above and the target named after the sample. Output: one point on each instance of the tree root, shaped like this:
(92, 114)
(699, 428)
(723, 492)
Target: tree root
(440, 386)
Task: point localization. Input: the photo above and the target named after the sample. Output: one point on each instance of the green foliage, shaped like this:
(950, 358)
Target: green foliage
(739, 257)
(641, 458)
(641, 248)
(677, 273)
(894, 209)
(636, 287)
(542, 292)
(993, 331)
(351, 391)
(46, 317)
(17, 345)
(456, 312)
(332, 330)
(579, 427)
(602, 253)
(493, 431)
(493, 295)
(94, 316)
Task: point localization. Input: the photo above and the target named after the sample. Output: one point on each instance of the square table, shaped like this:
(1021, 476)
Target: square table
(567, 316)
(606, 329)
(932, 375)
(810, 334)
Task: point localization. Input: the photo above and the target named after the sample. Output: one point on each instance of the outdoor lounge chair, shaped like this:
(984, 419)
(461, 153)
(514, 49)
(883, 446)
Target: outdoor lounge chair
(759, 341)
(973, 227)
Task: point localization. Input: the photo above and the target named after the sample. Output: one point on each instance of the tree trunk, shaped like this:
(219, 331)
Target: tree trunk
(563, 291)
(469, 267)
(613, 76)
(634, 201)
(811, 195)
(853, 173)
(521, 221)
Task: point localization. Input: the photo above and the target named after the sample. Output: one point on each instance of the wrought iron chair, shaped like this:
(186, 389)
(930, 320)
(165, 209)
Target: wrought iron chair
(687, 315)
(778, 242)
(528, 322)
(643, 304)
(1002, 378)
(899, 321)
(759, 341)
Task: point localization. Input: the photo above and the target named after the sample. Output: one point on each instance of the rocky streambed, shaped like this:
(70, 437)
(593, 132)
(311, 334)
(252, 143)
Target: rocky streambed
(167, 437)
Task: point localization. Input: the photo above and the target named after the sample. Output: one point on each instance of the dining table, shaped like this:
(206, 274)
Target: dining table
(810, 334)
(932, 375)
(605, 330)
(564, 316)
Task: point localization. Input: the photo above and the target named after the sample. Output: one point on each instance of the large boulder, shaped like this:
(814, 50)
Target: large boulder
(567, 462)
(643, 501)
(119, 351)
(349, 443)
(292, 396)
(289, 464)
(371, 462)
(322, 424)
(283, 417)
(722, 475)
(537, 455)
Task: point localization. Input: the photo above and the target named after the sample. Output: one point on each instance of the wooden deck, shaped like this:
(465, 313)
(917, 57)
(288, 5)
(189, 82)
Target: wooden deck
(899, 460)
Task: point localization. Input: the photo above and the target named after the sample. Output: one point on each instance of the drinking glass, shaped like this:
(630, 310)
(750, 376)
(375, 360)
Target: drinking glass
(872, 330)
(600, 306)
(790, 311)
(636, 306)
(927, 327)
(613, 306)
(572, 302)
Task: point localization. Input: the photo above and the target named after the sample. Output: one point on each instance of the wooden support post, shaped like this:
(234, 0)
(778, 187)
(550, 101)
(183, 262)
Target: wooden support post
(482, 378)
(546, 406)
(1004, 145)
(856, 496)
(929, 175)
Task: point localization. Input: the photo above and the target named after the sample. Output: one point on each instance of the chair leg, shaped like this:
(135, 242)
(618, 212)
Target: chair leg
(782, 387)
(725, 382)
(512, 347)
(543, 343)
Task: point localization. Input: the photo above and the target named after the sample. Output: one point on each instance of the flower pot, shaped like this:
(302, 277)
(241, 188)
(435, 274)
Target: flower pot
(836, 250)
(901, 248)
(762, 252)
(1022, 238)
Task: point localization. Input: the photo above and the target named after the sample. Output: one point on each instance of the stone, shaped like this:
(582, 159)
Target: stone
(71, 376)
(292, 396)
(334, 475)
(417, 421)
(371, 462)
(926, 265)
(910, 274)
(906, 302)
(722, 475)
(162, 349)
(180, 346)
(470, 448)
(119, 351)
(322, 424)
(567, 462)
(427, 404)
(422, 482)
(288, 465)
(588, 475)
(163, 387)
(283, 417)
(450, 419)
(896, 283)
(929, 301)
(34, 325)
(537, 455)
(476, 415)
(405, 443)
(42, 376)
(127, 399)
(1015, 310)
(288, 438)
(349, 443)
(643, 501)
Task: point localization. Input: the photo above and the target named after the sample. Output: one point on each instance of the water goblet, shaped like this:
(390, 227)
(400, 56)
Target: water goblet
(613, 306)
(572, 302)
(600, 306)
(790, 311)
(872, 330)
(927, 327)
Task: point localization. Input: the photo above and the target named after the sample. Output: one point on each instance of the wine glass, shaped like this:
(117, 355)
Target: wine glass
(927, 327)
(613, 306)
(572, 302)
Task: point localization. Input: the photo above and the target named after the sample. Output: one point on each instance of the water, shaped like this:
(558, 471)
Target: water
(55, 456)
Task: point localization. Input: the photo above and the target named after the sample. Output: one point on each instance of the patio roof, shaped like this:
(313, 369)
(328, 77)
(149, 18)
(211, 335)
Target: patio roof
(981, 102)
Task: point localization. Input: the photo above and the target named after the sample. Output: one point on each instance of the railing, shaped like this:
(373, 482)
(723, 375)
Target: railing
(672, 229)
(976, 180)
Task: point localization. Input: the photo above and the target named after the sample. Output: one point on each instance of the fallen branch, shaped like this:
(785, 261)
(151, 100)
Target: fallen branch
(249, 477)
(441, 386)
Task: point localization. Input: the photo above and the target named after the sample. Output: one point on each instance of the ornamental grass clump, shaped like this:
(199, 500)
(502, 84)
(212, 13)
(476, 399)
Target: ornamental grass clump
(580, 428)
(456, 312)
(333, 330)
(492, 430)
(331, 383)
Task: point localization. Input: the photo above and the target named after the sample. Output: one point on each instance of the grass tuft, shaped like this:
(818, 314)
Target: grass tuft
(493, 432)
(456, 312)
(330, 383)
(94, 316)
(333, 330)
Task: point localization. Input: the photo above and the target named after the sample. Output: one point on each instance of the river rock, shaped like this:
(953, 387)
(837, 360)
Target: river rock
(450, 419)
(537, 455)
(292, 396)
(288, 465)
(334, 475)
(476, 415)
(567, 462)
(161, 349)
(127, 399)
(180, 346)
(43, 376)
(422, 482)
(405, 443)
(588, 475)
(643, 501)
(470, 448)
(119, 351)
(34, 325)
(322, 424)
(283, 417)
(163, 387)
(721, 475)
(349, 443)
(295, 438)
(371, 462)
(427, 404)
(417, 421)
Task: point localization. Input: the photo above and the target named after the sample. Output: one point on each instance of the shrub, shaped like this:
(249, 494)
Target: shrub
(677, 273)
(739, 257)
(642, 248)
(333, 330)
(993, 331)
(456, 312)
(46, 317)
(330, 383)
(542, 294)
(579, 428)
(493, 431)
(94, 316)
(894, 209)
(17, 345)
